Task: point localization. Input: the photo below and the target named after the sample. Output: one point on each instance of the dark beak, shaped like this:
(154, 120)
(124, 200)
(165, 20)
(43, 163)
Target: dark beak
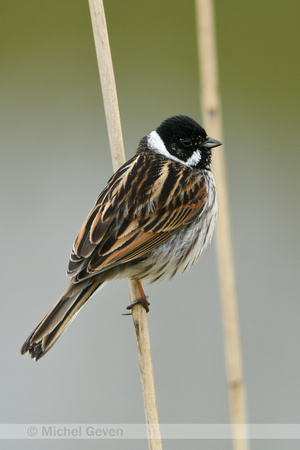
(211, 142)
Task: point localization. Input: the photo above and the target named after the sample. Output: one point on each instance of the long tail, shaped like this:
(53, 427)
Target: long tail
(59, 318)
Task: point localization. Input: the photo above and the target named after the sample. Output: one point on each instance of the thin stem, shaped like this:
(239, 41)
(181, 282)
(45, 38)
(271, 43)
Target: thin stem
(118, 157)
(211, 109)
(140, 322)
(108, 84)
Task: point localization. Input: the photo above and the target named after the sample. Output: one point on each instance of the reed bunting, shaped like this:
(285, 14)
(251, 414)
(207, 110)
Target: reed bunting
(153, 219)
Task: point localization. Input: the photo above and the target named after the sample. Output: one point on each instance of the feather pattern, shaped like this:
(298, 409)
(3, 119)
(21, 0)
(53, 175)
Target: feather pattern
(144, 203)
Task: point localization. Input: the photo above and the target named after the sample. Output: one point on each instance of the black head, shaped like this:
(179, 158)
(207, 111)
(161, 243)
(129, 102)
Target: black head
(181, 138)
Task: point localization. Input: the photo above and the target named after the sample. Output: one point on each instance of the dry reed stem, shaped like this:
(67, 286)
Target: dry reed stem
(118, 158)
(139, 316)
(211, 109)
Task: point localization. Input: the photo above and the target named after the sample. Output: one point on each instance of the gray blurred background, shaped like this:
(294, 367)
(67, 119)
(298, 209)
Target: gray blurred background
(54, 162)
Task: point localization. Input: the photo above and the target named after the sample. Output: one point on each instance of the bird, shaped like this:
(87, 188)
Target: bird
(153, 220)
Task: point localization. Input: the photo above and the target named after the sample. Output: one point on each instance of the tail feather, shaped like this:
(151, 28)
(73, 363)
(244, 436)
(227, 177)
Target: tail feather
(59, 318)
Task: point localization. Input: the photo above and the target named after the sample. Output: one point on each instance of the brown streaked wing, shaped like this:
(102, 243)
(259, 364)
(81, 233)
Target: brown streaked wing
(99, 219)
(161, 199)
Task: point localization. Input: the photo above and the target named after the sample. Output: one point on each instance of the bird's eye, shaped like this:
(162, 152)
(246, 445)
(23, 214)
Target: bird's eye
(186, 142)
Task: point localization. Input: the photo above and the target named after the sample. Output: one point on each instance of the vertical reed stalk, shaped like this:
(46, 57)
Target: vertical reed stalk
(211, 109)
(118, 157)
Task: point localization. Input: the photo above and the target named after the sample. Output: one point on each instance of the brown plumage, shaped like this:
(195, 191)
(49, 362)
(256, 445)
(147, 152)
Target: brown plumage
(153, 219)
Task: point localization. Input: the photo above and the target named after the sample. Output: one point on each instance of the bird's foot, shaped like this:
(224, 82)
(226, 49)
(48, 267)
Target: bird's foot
(140, 301)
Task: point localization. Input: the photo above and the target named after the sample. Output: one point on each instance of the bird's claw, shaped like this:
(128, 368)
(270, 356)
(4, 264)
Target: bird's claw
(140, 301)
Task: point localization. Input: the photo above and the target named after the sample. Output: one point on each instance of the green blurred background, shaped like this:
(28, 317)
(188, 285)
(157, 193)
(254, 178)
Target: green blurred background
(55, 160)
